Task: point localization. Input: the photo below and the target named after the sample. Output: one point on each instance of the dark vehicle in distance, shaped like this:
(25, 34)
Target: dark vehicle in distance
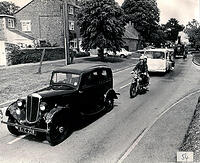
(75, 91)
(179, 49)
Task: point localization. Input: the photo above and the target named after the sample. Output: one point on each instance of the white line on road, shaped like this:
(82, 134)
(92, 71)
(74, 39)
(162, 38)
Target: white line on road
(125, 85)
(130, 67)
(17, 139)
(135, 143)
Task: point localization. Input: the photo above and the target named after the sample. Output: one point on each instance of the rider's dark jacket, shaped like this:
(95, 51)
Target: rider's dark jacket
(141, 67)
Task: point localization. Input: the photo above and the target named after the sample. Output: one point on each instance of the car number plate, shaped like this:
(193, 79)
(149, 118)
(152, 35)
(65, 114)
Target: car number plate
(27, 130)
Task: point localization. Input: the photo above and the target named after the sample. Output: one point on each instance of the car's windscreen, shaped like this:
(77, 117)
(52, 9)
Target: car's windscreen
(66, 79)
(155, 54)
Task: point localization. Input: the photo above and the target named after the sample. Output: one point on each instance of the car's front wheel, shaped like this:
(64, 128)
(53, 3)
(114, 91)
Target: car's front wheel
(122, 56)
(59, 129)
(12, 129)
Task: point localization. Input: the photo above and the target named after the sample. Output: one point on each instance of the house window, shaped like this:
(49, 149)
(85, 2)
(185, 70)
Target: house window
(73, 44)
(71, 10)
(71, 25)
(11, 23)
(26, 25)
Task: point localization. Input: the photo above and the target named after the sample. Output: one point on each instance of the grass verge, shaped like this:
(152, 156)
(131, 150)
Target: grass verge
(191, 142)
(196, 59)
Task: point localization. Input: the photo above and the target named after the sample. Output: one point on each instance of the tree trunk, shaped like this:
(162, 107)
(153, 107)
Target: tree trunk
(101, 53)
(41, 60)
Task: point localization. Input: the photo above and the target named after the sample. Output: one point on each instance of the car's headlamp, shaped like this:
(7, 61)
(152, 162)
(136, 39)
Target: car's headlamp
(19, 103)
(43, 106)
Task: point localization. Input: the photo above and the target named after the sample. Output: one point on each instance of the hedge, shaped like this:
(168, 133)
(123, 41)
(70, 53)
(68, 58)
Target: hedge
(34, 55)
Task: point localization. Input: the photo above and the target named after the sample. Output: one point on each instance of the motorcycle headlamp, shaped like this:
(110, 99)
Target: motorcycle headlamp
(43, 106)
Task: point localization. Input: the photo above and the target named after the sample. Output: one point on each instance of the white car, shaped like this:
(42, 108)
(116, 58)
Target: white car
(123, 53)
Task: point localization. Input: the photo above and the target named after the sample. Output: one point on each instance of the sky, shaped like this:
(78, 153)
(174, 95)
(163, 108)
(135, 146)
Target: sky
(183, 10)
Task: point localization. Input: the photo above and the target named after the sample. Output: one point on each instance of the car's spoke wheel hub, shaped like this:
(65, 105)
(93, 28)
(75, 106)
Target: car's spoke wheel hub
(61, 129)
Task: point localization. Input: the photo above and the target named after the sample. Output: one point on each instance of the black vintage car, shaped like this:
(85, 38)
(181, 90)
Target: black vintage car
(75, 91)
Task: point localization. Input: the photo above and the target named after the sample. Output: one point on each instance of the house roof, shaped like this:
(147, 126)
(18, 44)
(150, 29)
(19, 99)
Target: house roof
(69, 2)
(24, 6)
(130, 35)
(131, 32)
(22, 34)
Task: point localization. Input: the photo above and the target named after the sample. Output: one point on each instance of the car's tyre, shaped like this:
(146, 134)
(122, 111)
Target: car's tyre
(133, 90)
(59, 129)
(106, 54)
(12, 129)
(122, 56)
(109, 104)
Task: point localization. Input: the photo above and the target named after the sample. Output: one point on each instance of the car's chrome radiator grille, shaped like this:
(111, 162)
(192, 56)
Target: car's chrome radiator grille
(32, 108)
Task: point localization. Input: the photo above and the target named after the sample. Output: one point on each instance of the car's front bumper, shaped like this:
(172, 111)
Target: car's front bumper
(26, 127)
(158, 70)
(22, 126)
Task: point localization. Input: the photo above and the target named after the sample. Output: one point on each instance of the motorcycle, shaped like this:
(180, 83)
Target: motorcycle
(138, 85)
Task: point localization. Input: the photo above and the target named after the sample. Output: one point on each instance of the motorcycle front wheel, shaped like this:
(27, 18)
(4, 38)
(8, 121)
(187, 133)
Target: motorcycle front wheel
(133, 90)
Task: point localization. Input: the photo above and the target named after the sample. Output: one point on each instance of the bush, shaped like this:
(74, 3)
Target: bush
(34, 55)
(20, 56)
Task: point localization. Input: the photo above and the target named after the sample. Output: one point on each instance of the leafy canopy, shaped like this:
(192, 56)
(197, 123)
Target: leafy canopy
(172, 28)
(193, 31)
(8, 8)
(102, 25)
(144, 14)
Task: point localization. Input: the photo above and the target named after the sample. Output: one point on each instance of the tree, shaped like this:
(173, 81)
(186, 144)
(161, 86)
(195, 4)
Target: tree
(102, 25)
(144, 14)
(157, 37)
(193, 31)
(172, 28)
(8, 8)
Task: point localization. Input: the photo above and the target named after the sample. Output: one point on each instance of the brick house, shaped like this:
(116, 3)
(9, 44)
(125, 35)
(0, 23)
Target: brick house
(43, 20)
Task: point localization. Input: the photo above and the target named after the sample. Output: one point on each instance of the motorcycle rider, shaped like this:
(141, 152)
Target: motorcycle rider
(142, 69)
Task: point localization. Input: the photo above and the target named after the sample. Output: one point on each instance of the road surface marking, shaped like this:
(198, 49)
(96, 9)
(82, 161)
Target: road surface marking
(17, 139)
(125, 86)
(135, 143)
(123, 69)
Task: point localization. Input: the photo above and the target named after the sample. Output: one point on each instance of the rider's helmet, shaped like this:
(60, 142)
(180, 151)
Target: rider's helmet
(145, 58)
(142, 57)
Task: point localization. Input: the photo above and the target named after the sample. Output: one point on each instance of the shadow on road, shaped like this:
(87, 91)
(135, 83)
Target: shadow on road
(106, 59)
(77, 124)
(154, 74)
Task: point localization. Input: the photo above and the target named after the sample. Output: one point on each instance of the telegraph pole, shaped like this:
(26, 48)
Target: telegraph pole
(66, 31)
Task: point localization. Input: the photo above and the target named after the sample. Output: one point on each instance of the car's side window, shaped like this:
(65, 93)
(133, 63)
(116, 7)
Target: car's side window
(89, 79)
(96, 77)
(102, 76)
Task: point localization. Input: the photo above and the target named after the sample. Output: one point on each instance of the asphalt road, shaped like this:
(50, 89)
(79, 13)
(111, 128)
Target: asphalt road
(120, 135)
